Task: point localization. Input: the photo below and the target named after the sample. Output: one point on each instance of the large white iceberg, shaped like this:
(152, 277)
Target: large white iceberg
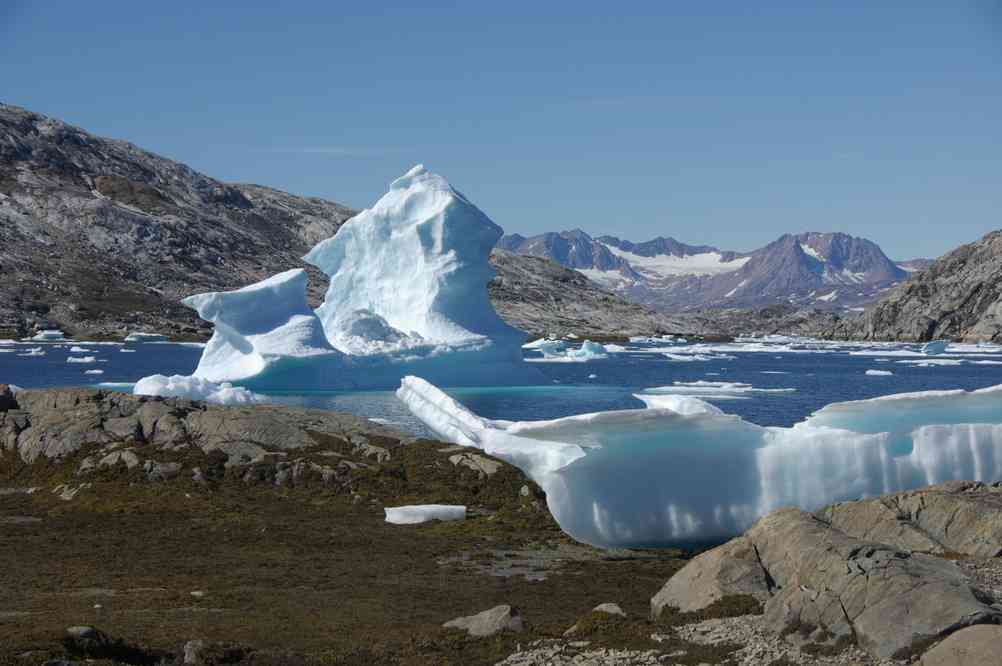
(657, 476)
(407, 295)
(417, 261)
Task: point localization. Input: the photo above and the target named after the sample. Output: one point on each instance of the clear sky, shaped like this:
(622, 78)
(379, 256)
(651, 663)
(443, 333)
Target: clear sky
(724, 123)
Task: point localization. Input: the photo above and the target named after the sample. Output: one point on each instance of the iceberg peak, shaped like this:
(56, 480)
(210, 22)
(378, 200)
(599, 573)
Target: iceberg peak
(418, 259)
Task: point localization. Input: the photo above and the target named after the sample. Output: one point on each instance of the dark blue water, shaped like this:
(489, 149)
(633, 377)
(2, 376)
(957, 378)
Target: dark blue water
(818, 379)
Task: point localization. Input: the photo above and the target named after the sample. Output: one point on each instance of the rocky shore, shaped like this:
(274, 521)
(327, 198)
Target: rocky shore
(145, 530)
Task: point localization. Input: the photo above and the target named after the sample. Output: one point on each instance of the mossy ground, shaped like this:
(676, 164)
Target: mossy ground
(302, 575)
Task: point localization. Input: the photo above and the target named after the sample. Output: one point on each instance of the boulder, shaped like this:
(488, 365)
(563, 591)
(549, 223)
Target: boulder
(972, 646)
(489, 622)
(727, 570)
(891, 602)
(484, 467)
(609, 609)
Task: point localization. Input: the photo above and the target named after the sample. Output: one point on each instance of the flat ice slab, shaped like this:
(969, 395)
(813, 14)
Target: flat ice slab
(422, 513)
(682, 471)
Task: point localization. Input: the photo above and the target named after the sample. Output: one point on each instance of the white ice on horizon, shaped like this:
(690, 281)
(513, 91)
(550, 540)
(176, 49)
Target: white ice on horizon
(48, 335)
(657, 476)
(421, 513)
(140, 336)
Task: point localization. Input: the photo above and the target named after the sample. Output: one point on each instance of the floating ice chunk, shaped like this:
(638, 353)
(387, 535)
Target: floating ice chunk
(571, 336)
(49, 335)
(588, 351)
(536, 344)
(139, 336)
(422, 513)
(33, 351)
(934, 362)
(127, 351)
(879, 373)
(615, 349)
(263, 329)
(81, 359)
(682, 404)
(195, 388)
(655, 476)
(935, 347)
(775, 372)
(715, 389)
(593, 376)
(93, 372)
(78, 350)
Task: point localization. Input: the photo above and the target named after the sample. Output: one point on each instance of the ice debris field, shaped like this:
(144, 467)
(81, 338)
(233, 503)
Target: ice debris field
(648, 442)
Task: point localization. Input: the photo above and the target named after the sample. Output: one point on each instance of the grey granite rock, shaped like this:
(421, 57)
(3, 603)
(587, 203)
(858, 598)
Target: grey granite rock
(891, 602)
(959, 296)
(489, 622)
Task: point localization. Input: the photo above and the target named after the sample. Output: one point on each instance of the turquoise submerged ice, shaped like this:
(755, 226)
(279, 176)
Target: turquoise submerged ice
(657, 477)
(407, 295)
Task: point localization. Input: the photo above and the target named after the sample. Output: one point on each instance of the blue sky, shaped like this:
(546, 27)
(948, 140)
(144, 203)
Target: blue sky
(719, 123)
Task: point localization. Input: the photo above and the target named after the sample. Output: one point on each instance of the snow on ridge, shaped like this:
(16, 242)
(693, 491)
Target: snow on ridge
(810, 251)
(706, 263)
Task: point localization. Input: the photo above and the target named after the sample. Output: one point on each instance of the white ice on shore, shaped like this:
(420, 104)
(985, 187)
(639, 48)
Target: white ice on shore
(422, 513)
(407, 295)
(49, 335)
(657, 476)
(194, 388)
(139, 336)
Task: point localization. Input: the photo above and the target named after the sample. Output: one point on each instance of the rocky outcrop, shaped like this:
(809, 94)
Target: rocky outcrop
(973, 646)
(101, 433)
(959, 296)
(489, 622)
(957, 517)
(822, 584)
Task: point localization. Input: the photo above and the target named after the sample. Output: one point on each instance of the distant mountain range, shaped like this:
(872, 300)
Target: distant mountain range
(810, 270)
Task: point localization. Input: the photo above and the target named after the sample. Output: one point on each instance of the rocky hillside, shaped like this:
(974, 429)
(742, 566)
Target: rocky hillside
(828, 271)
(959, 296)
(98, 236)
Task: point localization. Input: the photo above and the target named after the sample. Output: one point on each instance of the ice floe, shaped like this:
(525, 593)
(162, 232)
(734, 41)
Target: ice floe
(658, 476)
